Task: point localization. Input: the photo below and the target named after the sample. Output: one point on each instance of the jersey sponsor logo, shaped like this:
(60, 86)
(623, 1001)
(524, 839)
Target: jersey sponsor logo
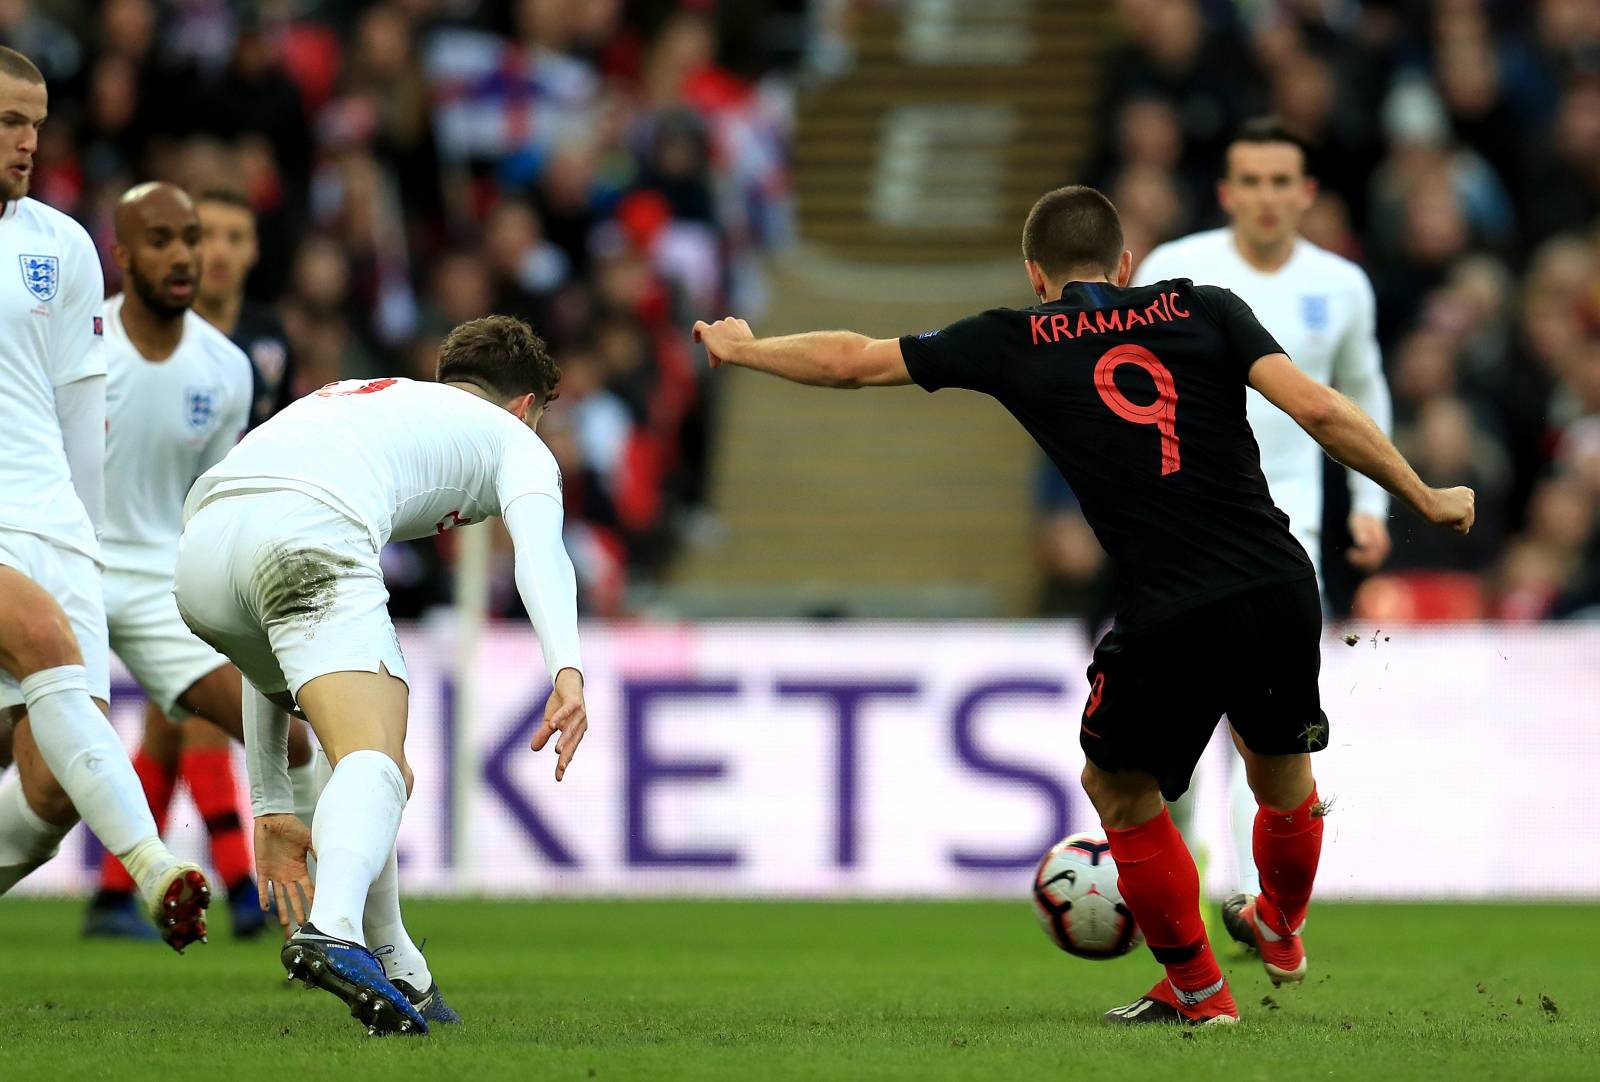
(41, 274)
(200, 407)
(1314, 310)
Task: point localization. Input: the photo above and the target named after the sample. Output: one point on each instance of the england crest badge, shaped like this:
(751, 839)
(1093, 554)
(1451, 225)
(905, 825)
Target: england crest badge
(200, 407)
(41, 274)
(1314, 309)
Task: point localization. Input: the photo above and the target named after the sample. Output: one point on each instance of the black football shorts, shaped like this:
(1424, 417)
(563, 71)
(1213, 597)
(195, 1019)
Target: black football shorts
(1155, 696)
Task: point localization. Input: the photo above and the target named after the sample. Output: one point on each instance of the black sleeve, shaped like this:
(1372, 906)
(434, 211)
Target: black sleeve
(964, 354)
(1248, 341)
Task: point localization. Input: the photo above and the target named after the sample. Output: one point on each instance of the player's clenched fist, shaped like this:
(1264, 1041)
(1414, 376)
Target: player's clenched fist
(564, 713)
(1453, 507)
(720, 337)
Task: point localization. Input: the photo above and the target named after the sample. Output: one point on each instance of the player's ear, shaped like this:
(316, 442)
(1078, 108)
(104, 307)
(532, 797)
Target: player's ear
(1124, 269)
(121, 256)
(1310, 191)
(1036, 279)
(522, 404)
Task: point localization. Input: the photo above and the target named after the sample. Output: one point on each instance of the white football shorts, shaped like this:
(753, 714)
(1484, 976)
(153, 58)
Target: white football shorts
(288, 588)
(153, 641)
(73, 579)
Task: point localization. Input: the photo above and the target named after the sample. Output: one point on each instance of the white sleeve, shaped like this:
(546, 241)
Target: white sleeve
(1358, 372)
(235, 415)
(75, 325)
(545, 579)
(266, 755)
(81, 412)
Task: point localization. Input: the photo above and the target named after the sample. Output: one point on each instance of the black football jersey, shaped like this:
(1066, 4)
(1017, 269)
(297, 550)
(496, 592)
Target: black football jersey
(1138, 397)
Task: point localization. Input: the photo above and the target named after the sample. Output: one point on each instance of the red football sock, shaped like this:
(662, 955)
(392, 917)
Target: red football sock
(1287, 846)
(1159, 882)
(208, 772)
(158, 781)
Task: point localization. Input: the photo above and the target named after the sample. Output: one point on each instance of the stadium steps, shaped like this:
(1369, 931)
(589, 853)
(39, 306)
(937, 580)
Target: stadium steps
(914, 171)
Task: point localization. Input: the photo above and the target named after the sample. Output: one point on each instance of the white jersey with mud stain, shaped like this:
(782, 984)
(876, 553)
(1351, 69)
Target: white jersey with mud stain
(1320, 307)
(167, 422)
(404, 458)
(50, 294)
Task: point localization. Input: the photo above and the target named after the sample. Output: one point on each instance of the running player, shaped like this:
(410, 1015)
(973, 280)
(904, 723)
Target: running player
(229, 250)
(53, 649)
(1320, 307)
(177, 396)
(278, 568)
(1138, 397)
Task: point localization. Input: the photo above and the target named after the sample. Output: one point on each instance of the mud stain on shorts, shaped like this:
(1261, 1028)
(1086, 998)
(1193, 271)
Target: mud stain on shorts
(299, 585)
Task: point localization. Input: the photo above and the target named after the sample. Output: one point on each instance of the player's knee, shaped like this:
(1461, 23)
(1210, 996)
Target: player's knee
(1280, 781)
(44, 793)
(41, 639)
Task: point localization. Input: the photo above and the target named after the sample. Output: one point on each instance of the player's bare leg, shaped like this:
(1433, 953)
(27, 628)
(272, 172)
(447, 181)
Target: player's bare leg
(1159, 882)
(1288, 845)
(360, 721)
(114, 911)
(81, 753)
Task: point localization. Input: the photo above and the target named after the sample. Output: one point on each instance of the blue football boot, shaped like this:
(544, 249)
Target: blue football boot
(244, 904)
(115, 915)
(429, 1004)
(349, 971)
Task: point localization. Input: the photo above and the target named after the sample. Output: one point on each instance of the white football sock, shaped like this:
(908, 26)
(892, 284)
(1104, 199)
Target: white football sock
(358, 817)
(26, 841)
(386, 933)
(1242, 813)
(83, 752)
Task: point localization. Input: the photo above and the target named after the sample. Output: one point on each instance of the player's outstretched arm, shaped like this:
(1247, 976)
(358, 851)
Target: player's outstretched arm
(841, 359)
(549, 591)
(1352, 438)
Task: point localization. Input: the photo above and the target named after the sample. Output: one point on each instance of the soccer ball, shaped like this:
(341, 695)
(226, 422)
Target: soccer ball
(1076, 899)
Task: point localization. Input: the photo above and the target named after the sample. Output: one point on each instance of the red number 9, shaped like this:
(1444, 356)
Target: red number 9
(1163, 412)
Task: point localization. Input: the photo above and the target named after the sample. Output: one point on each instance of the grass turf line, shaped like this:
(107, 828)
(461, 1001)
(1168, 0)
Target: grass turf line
(770, 991)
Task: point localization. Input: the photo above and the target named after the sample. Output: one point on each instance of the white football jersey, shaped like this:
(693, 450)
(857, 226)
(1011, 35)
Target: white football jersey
(1321, 309)
(50, 294)
(167, 422)
(403, 458)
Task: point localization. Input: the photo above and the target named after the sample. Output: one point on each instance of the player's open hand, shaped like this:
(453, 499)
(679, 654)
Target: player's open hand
(1369, 542)
(1453, 507)
(721, 337)
(564, 713)
(282, 878)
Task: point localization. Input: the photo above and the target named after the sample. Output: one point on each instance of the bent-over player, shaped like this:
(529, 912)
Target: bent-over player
(1138, 397)
(278, 569)
(177, 398)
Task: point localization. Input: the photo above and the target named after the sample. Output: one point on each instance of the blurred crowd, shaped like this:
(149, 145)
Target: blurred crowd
(601, 168)
(1457, 146)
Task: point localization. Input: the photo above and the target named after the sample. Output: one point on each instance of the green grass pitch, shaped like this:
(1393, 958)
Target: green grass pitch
(770, 991)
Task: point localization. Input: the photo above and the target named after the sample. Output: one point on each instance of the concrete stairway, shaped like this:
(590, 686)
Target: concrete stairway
(914, 173)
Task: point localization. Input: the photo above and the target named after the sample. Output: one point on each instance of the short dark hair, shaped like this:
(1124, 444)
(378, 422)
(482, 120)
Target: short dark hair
(1261, 130)
(17, 66)
(230, 197)
(501, 355)
(1073, 227)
